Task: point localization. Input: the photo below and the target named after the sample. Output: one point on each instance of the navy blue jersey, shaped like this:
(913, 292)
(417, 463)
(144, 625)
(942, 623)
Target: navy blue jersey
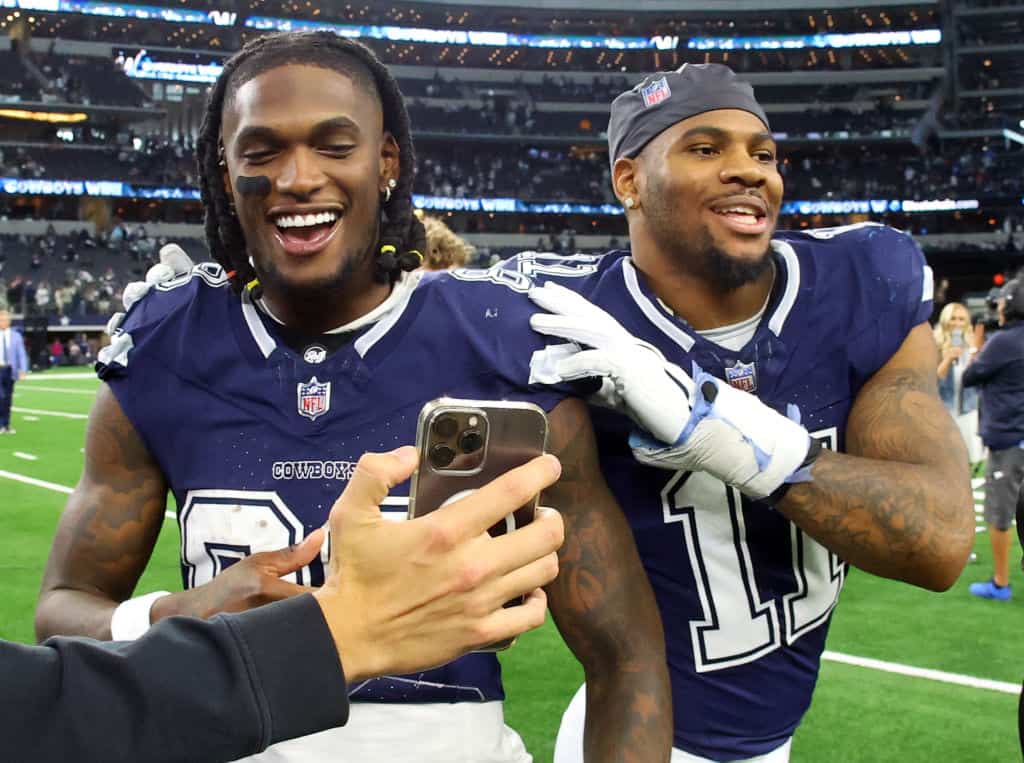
(745, 595)
(257, 441)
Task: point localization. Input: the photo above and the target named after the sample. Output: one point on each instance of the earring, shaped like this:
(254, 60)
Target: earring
(221, 162)
(392, 184)
(630, 202)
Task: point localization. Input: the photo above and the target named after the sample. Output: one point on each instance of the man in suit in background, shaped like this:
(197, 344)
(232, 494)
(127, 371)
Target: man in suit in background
(13, 366)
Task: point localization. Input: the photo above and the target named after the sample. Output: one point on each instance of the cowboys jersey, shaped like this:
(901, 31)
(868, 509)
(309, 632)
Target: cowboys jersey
(745, 596)
(257, 440)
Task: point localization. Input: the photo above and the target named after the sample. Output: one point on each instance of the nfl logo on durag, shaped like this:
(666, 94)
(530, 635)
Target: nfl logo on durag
(314, 398)
(742, 376)
(655, 93)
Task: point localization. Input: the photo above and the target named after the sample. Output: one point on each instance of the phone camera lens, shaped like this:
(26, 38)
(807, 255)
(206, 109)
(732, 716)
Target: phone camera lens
(441, 456)
(471, 441)
(445, 426)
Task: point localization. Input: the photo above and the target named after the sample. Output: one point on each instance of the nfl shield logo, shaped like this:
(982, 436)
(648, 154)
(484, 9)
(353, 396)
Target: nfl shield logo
(655, 93)
(742, 376)
(314, 398)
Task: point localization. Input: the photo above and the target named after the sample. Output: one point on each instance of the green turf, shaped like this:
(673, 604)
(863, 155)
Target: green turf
(858, 714)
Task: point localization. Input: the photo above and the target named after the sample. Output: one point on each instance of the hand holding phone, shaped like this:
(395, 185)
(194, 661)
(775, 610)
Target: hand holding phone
(463, 445)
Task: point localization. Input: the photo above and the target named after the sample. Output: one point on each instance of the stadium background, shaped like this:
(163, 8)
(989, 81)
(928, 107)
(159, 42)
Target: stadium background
(909, 114)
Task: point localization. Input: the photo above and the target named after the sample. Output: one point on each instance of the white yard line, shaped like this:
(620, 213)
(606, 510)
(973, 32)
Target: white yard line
(37, 483)
(24, 386)
(25, 456)
(48, 377)
(931, 675)
(54, 486)
(38, 412)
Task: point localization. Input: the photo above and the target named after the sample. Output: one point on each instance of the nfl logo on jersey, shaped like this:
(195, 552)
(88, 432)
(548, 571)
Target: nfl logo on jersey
(655, 93)
(314, 398)
(742, 376)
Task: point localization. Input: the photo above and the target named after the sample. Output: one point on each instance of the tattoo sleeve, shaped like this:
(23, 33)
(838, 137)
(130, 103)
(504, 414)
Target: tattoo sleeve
(107, 531)
(898, 503)
(604, 608)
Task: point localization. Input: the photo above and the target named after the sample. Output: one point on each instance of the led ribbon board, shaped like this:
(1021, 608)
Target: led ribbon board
(502, 205)
(799, 42)
(464, 37)
(125, 11)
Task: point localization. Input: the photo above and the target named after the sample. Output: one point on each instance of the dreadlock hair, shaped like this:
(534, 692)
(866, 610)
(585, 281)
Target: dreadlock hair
(402, 237)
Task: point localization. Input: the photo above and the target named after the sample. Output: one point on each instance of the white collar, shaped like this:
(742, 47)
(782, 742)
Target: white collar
(385, 315)
(789, 263)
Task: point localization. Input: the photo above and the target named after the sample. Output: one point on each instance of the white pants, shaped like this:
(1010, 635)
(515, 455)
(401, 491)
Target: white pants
(569, 744)
(378, 732)
(967, 423)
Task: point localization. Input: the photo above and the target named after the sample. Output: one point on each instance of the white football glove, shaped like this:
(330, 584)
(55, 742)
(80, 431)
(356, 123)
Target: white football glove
(735, 437)
(700, 424)
(636, 378)
(174, 262)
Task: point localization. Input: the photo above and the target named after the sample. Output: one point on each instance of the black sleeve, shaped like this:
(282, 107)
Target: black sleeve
(986, 363)
(189, 690)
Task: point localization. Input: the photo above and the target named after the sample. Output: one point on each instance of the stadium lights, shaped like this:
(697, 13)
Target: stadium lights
(54, 117)
(465, 37)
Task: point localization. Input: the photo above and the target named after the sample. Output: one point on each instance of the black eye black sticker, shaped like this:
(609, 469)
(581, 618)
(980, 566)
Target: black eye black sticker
(257, 185)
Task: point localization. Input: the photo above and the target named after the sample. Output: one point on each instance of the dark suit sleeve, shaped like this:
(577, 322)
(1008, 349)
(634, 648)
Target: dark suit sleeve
(986, 363)
(188, 690)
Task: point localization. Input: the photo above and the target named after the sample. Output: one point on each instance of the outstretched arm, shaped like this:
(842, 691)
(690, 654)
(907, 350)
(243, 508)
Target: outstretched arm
(898, 502)
(106, 537)
(107, 531)
(604, 606)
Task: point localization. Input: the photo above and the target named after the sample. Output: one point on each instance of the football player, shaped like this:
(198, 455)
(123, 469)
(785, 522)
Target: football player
(778, 417)
(250, 388)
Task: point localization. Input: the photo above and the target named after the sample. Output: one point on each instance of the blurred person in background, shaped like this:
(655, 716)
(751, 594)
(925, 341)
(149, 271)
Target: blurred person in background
(13, 366)
(56, 352)
(445, 248)
(955, 341)
(998, 371)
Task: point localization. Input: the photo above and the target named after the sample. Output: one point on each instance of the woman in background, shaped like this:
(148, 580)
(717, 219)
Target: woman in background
(955, 341)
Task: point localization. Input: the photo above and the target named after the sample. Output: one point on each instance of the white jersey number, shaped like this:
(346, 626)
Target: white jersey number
(737, 626)
(220, 527)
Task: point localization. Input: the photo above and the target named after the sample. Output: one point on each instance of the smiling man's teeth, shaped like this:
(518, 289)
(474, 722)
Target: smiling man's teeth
(746, 213)
(305, 221)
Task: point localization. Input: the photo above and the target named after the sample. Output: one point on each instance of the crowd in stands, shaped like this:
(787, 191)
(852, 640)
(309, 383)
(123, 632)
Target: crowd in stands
(16, 84)
(34, 76)
(80, 275)
(558, 172)
(153, 161)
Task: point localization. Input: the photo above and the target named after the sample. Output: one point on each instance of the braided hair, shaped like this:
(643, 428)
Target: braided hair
(402, 237)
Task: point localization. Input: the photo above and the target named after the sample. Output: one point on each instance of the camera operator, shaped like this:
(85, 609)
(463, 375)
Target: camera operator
(998, 370)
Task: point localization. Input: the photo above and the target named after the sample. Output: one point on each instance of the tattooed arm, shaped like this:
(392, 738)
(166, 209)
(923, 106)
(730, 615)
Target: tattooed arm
(898, 502)
(107, 531)
(604, 607)
(106, 536)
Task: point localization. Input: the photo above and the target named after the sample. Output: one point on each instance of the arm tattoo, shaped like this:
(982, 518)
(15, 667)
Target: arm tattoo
(899, 504)
(604, 607)
(107, 531)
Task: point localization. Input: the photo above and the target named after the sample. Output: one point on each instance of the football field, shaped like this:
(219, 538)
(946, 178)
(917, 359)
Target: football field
(910, 676)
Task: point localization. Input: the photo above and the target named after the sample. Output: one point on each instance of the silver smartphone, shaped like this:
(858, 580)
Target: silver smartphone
(463, 445)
